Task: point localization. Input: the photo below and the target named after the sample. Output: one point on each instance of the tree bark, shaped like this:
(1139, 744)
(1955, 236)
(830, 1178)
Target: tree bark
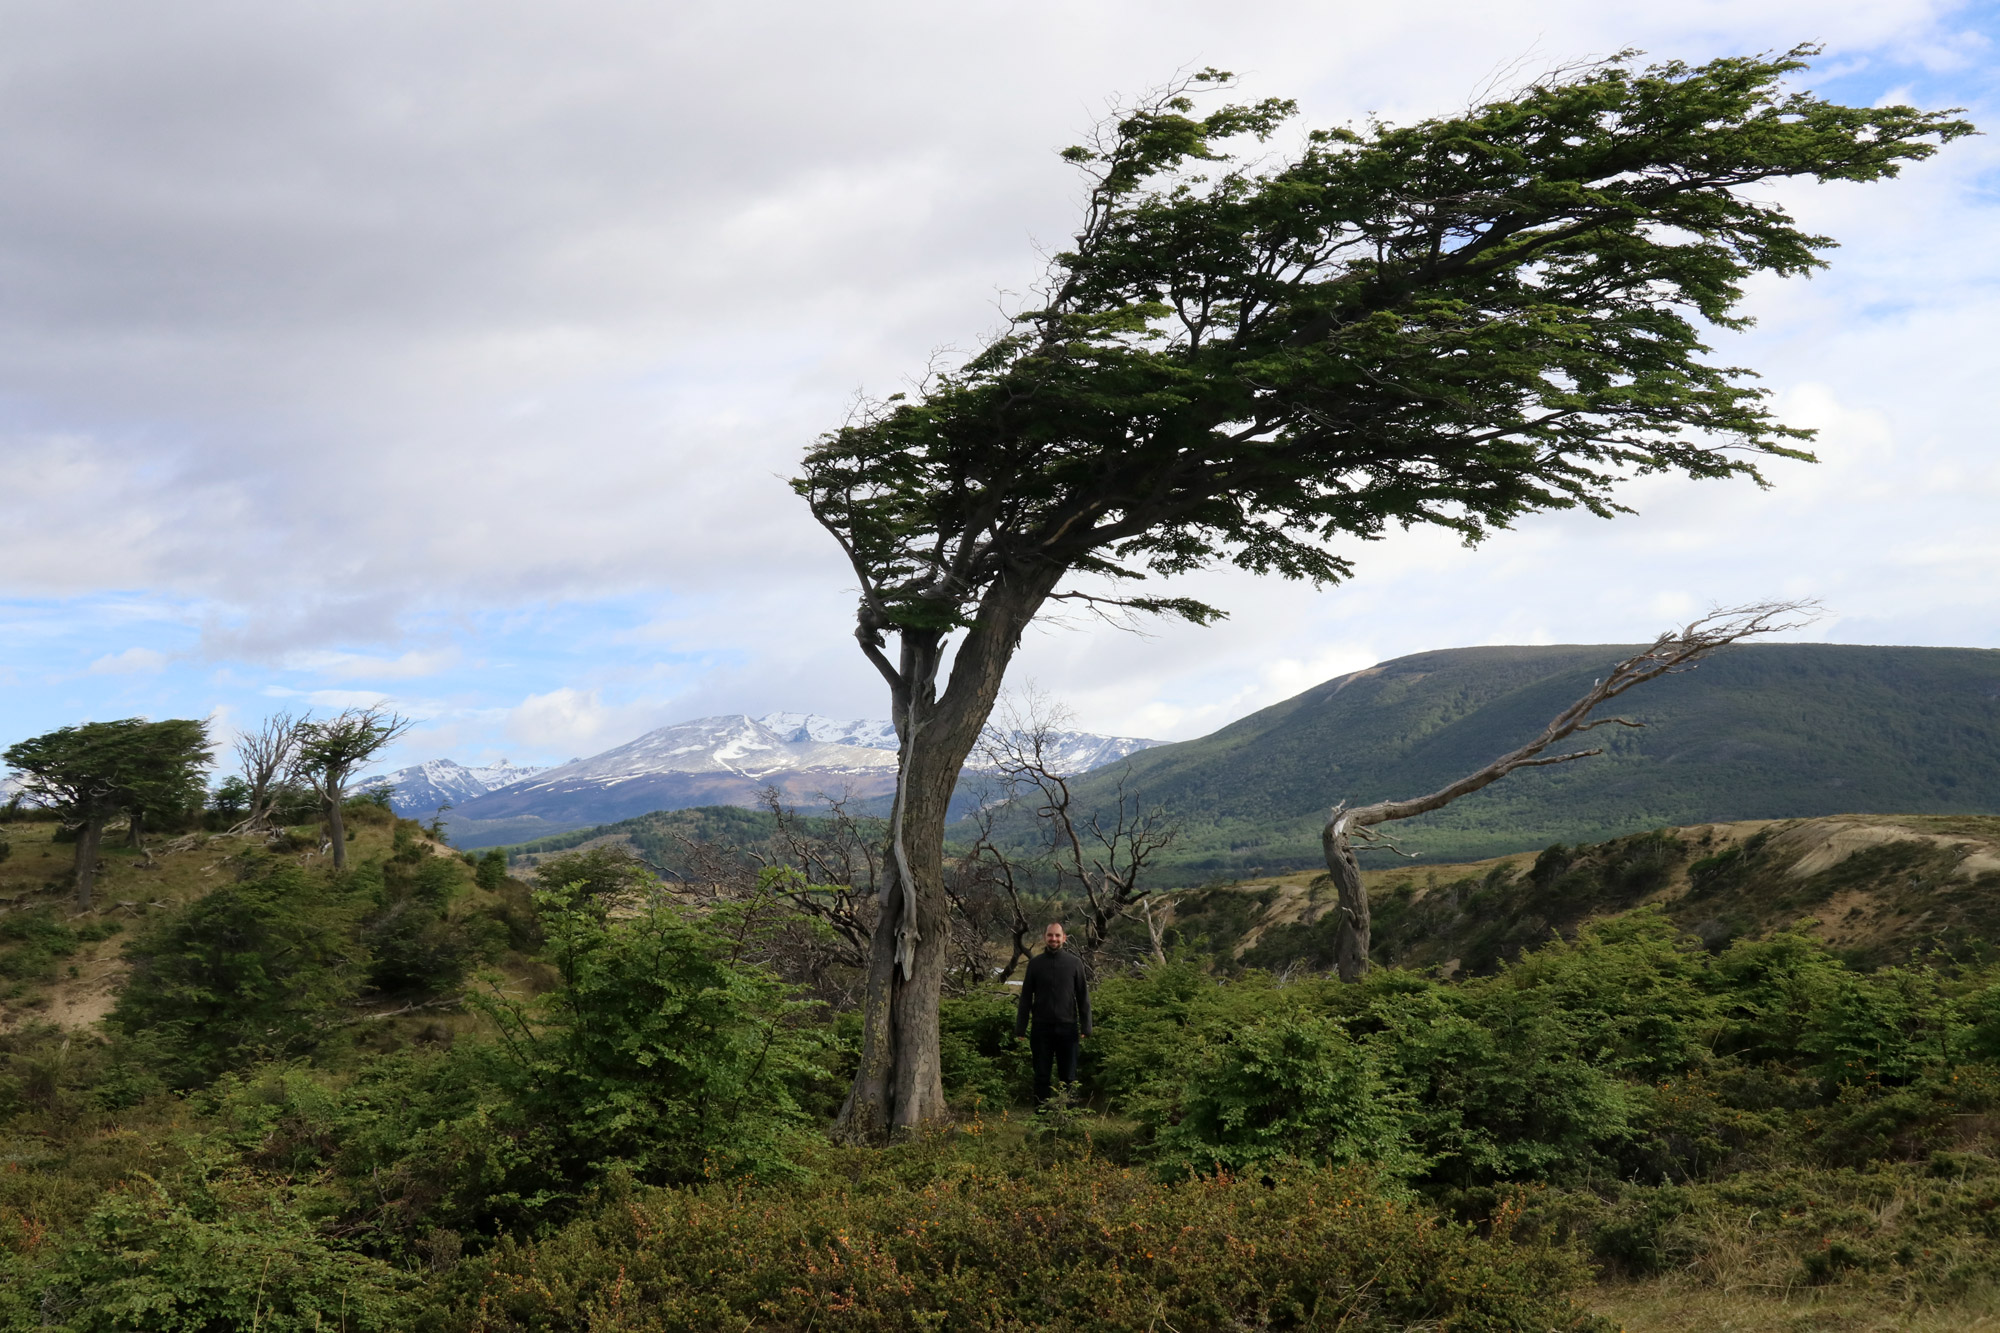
(337, 830)
(88, 839)
(1351, 935)
(899, 1084)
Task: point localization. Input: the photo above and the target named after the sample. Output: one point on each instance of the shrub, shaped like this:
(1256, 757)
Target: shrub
(656, 1056)
(1074, 1246)
(251, 972)
(227, 1253)
(1292, 1090)
(491, 871)
(982, 1065)
(1502, 1085)
(414, 942)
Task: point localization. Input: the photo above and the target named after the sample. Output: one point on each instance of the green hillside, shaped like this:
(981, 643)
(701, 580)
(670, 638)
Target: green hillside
(1771, 731)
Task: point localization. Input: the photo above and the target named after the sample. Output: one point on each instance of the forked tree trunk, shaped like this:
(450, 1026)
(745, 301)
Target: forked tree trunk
(899, 1084)
(88, 839)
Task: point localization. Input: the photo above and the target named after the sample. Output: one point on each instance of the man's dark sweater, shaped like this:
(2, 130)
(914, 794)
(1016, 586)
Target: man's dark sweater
(1054, 994)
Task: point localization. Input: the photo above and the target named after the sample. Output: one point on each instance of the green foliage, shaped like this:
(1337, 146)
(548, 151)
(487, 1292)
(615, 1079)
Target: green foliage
(658, 1053)
(982, 1062)
(491, 870)
(229, 1252)
(252, 971)
(1287, 1091)
(1239, 362)
(414, 940)
(602, 875)
(659, 837)
(32, 943)
(151, 771)
(1074, 1245)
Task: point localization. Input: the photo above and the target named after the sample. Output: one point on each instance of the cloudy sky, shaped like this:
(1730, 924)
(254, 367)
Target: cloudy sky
(455, 354)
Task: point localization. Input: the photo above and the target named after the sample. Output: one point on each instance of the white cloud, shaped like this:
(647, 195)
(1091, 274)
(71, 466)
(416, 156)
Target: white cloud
(356, 666)
(576, 721)
(323, 321)
(133, 661)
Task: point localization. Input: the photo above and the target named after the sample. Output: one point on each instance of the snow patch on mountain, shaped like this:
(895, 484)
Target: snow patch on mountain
(732, 743)
(875, 735)
(422, 788)
(1068, 752)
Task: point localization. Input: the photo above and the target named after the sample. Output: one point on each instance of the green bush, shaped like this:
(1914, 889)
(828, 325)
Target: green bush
(983, 1066)
(224, 1253)
(657, 1056)
(251, 972)
(1501, 1086)
(1287, 1091)
(658, 1051)
(491, 870)
(414, 941)
(32, 943)
(1074, 1246)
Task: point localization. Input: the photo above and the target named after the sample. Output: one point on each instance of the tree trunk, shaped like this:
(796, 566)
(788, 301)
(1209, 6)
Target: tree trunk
(1350, 946)
(899, 1084)
(88, 839)
(338, 832)
(1154, 931)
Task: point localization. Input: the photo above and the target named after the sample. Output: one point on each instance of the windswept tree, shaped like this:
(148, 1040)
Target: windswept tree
(330, 751)
(93, 773)
(1451, 323)
(1675, 651)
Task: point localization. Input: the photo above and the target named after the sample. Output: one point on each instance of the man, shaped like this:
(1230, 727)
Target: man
(1055, 994)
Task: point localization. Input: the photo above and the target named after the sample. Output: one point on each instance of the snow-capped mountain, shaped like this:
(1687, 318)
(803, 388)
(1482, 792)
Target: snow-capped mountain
(812, 727)
(727, 760)
(1068, 752)
(422, 788)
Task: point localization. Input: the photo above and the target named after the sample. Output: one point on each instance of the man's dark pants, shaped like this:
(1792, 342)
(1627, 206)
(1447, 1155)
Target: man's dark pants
(1055, 1045)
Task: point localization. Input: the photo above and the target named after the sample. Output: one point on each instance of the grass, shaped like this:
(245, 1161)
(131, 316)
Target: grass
(1674, 1305)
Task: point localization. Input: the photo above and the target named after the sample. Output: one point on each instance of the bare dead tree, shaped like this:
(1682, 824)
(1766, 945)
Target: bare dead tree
(834, 869)
(984, 886)
(266, 756)
(1672, 652)
(1104, 854)
(807, 890)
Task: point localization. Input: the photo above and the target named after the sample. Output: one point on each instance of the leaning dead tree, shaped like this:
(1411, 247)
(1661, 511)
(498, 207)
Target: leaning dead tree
(1674, 651)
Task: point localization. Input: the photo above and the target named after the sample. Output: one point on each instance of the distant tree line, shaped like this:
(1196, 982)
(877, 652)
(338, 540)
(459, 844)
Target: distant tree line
(153, 776)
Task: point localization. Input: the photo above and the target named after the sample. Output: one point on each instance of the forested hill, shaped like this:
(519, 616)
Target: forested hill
(1760, 732)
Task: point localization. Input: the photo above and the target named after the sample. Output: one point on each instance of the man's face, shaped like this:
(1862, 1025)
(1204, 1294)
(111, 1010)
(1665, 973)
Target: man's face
(1053, 937)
